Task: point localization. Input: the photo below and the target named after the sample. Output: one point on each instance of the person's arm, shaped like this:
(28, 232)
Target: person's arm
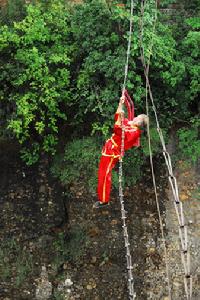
(120, 110)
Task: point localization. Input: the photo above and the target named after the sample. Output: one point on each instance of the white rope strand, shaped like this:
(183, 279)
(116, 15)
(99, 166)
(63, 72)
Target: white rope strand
(131, 291)
(157, 202)
(150, 148)
(129, 46)
(185, 255)
(178, 205)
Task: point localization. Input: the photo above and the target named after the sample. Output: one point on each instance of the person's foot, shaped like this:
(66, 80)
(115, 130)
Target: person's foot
(99, 204)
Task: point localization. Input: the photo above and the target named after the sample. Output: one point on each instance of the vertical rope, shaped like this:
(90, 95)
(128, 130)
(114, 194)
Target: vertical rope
(131, 291)
(129, 47)
(146, 66)
(183, 235)
(157, 202)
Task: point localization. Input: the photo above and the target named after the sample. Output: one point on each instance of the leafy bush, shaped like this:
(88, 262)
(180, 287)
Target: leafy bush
(79, 163)
(132, 165)
(12, 11)
(70, 248)
(136, 158)
(66, 64)
(14, 260)
(36, 75)
(189, 142)
(100, 57)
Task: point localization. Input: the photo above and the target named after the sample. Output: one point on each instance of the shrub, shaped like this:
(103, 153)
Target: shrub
(66, 64)
(12, 11)
(79, 163)
(35, 75)
(189, 142)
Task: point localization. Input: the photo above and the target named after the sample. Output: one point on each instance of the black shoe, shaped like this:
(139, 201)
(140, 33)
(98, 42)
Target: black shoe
(99, 204)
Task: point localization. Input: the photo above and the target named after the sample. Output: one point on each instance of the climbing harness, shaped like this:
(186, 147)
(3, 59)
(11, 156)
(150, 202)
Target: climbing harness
(183, 235)
(132, 294)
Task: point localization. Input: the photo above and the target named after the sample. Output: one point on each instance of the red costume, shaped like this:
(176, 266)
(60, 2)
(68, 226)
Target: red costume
(112, 150)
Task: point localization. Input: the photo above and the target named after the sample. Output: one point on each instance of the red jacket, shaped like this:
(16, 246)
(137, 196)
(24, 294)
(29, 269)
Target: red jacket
(112, 146)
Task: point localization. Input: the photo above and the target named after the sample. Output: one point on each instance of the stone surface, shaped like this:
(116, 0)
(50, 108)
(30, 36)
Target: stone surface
(44, 287)
(90, 251)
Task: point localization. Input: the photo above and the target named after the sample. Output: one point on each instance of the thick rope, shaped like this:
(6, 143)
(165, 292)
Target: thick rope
(131, 291)
(157, 201)
(183, 235)
(129, 47)
(149, 143)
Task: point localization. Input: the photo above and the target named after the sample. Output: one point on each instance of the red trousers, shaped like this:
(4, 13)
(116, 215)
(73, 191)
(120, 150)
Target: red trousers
(106, 165)
(110, 156)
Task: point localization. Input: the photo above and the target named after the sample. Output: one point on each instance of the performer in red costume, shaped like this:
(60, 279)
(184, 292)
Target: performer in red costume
(111, 151)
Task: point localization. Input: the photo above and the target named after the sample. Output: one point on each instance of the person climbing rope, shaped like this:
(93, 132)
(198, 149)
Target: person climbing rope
(111, 151)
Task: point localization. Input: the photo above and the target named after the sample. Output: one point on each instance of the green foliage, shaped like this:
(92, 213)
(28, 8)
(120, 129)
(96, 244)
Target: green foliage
(194, 22)
(191, 45)
(24, 266)
(103, 129)
(132, 164)
(100, 57)
(66, 64)
(100, 63)
(155, 141)
(70, 248)
(79, 163)
(189, 142)
(13, 11)
(36, 70)
(14, 260)
(136, 158)
(58, 295)
(179, 85)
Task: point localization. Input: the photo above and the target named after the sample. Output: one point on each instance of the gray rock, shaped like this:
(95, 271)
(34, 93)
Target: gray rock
(44, 287)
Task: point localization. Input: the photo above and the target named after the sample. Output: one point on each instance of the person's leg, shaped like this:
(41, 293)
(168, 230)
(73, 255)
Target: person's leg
(105, 177)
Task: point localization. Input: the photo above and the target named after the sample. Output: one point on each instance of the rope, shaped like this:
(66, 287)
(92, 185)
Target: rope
(129, 46)
(157, 202)
(131, 291)
(149, 143)
(183, 235)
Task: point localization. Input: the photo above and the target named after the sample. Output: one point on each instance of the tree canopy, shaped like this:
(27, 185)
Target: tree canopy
(62, 67)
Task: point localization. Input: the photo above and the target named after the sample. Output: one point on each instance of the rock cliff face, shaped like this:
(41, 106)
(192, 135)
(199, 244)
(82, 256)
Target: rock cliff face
(89, 250)
(30, 213)
(188, 179)
(189, 186)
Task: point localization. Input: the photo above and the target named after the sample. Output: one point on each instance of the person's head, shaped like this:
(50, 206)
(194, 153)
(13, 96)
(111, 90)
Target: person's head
(141, 120)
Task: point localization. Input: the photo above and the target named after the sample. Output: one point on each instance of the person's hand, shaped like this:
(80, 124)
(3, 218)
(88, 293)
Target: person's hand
(122, 99)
